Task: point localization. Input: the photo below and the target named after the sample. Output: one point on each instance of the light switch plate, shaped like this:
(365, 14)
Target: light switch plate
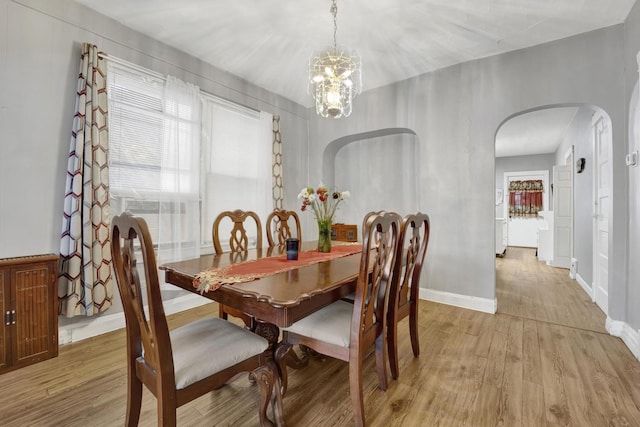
(632, 159)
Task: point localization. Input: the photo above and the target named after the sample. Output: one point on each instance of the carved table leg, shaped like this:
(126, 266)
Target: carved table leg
(266, 376)
(281, 352)
(309, 352)
(286, 356)
(276, 396)
(296, 362)
(268, 331)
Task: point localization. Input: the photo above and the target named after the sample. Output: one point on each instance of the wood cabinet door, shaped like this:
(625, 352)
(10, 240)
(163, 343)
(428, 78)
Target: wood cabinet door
(32, 292)
(5, 349)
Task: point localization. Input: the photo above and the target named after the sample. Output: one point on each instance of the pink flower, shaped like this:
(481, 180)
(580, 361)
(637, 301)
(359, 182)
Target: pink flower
(322, 201)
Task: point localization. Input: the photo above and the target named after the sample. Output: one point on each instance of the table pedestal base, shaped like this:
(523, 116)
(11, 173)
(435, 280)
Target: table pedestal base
(286, 356)
(268, 331)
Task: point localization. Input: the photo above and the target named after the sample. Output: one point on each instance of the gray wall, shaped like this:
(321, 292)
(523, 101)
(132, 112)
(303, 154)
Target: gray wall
(631, 48)
(522, 163)
(39, 58)
(455, 113)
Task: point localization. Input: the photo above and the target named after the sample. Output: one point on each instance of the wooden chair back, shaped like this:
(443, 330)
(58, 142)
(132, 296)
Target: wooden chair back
(347, 331)
(379, 241)
(238, 244)
(278, 225)
(405, 285)
(148, 335)
(238, 239)
(150, 356)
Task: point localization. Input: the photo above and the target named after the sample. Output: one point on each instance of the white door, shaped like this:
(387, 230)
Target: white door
(601, 210)
(523, 231)
(562, 215)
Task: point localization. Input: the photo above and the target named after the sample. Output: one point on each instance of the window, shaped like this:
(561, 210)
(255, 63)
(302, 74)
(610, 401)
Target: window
(236, 164)
(525, 198)
(178, 157)
(154, 133)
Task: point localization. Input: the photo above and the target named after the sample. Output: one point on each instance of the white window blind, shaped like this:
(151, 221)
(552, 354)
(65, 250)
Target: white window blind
(236, 162)
(179, 157)
(154, 133)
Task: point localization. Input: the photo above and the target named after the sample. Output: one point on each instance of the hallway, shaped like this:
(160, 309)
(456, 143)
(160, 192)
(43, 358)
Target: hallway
(530, 289)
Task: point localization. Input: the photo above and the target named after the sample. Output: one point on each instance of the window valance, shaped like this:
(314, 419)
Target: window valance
(525, 197)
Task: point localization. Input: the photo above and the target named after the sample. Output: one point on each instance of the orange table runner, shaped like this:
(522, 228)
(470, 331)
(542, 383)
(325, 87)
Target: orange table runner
(248, 271)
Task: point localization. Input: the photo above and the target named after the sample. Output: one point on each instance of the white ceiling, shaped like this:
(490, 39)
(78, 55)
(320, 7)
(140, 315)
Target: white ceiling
(269, 43)
(538, 132)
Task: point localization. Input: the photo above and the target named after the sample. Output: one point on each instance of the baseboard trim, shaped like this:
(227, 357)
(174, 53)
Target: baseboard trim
(484, 305)
(92, 327)
(625, 332)
(588, 289)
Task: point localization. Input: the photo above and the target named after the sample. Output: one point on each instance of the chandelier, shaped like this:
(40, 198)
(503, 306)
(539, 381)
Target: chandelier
(334, 77)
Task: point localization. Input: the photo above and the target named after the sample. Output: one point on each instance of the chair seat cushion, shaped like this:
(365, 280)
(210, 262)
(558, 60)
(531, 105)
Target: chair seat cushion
(207, 346)
(331, 324)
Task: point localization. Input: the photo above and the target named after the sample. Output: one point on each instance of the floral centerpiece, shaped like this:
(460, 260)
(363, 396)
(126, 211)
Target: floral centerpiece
(323, 203)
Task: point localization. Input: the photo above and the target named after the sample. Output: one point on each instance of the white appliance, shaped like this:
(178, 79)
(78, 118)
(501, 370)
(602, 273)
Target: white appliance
(545, 237)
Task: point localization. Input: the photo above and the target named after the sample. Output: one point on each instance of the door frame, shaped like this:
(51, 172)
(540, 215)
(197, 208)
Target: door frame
(597, 117)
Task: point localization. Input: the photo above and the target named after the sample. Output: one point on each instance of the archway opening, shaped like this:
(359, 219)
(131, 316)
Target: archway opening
(380, 168)
(553, 139)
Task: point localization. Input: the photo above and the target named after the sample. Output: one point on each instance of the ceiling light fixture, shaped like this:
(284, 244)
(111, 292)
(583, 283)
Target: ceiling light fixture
(334, 77)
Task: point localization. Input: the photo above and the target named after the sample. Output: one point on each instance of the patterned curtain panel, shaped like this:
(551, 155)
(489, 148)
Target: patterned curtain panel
(525, 198)
(278, 189)
(85, 283)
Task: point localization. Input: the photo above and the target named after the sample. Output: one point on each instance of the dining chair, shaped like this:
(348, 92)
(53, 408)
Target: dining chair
(405, 284)
(180, 365)
(278, 225)
(352, 297)
(238, 242)
(238, 238)
(346, 331)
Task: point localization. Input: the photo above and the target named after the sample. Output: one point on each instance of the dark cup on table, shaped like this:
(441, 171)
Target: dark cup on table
(292, 248)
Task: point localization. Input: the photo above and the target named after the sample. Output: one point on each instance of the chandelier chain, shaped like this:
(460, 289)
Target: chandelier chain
(334, 12)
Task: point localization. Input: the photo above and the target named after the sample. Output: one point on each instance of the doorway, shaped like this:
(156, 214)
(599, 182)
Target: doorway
(576, 141)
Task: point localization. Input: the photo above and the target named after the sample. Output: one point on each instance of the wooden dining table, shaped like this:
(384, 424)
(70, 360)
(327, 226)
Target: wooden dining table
(276, 300)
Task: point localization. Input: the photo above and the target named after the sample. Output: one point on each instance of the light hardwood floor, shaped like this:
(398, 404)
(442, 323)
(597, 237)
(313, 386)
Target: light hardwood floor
(543, 360)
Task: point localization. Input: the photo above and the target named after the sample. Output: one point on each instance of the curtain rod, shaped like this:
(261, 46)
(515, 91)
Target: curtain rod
(126, 63)
(203, 93)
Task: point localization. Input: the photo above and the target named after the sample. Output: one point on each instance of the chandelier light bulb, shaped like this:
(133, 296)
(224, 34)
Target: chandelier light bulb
(333, 98)
(334, 77)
